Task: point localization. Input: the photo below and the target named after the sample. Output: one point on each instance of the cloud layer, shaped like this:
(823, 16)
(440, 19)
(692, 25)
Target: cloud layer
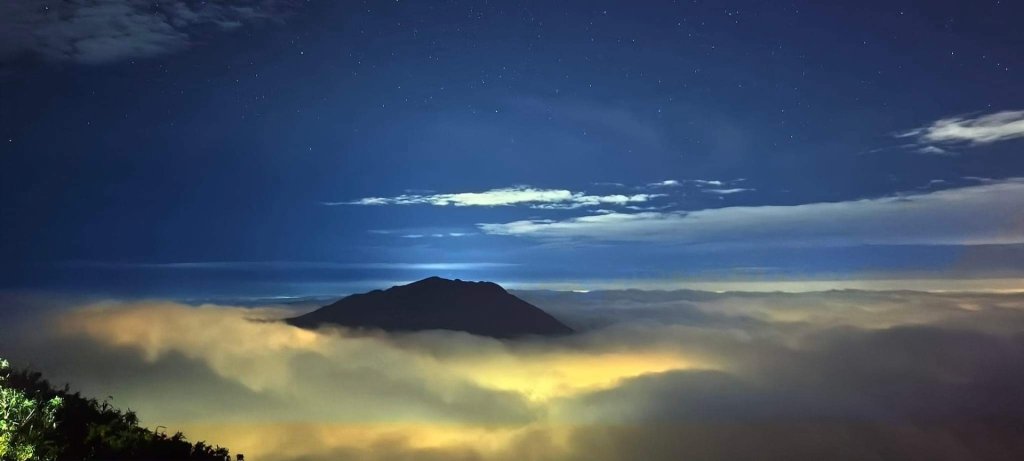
(100, 31)
(652, 375)
(988, 213)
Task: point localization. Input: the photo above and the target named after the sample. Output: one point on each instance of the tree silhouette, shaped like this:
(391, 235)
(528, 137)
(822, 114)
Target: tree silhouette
(27, 425)
(83, 428)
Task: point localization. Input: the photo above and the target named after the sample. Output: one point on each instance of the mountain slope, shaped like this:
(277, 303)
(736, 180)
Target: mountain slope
(480, 308)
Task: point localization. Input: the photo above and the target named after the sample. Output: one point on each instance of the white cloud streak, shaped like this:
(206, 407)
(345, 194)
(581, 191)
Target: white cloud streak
(933, 150)
(989, 213)
(695, 182)
(706, 182)
(518, 195)
(985, 129)
(730, 191)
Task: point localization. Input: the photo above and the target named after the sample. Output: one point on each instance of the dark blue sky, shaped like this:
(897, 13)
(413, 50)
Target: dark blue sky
(288, 148)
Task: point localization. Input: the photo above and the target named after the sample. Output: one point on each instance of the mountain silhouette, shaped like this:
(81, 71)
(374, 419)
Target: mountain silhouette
(480, 308)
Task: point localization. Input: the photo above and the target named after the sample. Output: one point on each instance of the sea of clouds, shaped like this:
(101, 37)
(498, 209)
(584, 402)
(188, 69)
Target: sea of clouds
(649, 375)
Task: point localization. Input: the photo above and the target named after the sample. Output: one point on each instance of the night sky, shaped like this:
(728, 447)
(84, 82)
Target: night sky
(274, 148)
(817, 208)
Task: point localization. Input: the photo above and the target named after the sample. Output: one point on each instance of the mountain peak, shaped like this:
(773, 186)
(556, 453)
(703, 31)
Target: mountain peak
(440, 283)
(435, 303)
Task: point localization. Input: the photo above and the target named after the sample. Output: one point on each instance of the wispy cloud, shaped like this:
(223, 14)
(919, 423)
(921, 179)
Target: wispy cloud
(988, 213)
(554, 199)
(730, 191)
(709, 186)
(436, 235)
(706, 182)
(933, 150)
(960, 130)
(695, 182)
(99, 31)
(422, 232)
(518, 195)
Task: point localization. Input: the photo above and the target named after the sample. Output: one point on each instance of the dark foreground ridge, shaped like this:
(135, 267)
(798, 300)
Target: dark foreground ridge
(480, 308)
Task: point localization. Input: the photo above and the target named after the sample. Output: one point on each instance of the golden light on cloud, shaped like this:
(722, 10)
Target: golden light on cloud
(237, 342)
(241, 344)
(344, 441)
(563, 374)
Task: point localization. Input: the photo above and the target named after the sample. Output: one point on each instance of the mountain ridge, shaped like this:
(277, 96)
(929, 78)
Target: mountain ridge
(435, 303)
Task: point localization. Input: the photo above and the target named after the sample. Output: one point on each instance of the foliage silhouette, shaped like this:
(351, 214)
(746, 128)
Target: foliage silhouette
(87, 429)
(27, 425)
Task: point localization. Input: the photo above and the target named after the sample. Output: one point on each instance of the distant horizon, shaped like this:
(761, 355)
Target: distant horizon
(237, 287)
